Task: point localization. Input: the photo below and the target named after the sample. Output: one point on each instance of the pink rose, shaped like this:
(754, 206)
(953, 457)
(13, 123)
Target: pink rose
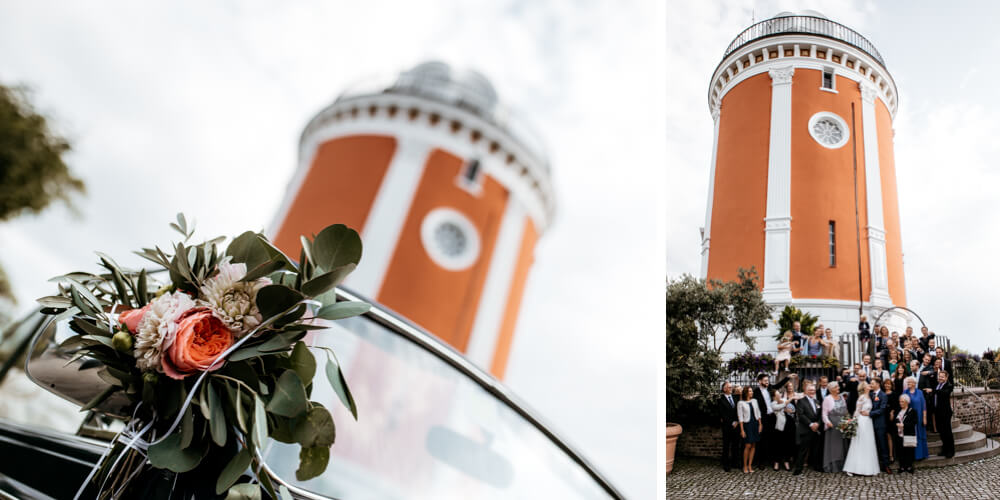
(132, 317)
(201, 338)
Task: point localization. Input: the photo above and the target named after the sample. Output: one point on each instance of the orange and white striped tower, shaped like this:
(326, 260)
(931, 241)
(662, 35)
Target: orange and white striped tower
(795, 99)
(448, 192)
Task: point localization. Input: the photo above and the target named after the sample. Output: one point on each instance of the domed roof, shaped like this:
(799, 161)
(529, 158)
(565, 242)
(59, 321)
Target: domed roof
(807, 12)
(440, 81)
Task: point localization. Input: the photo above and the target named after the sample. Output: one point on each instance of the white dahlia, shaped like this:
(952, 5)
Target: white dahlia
(233, 301)
(158, 328)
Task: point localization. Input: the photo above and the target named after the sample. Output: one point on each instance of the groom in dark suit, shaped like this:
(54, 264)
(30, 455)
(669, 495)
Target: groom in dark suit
(879, 414)
(941, 396)
(728, 420)
(807, 427)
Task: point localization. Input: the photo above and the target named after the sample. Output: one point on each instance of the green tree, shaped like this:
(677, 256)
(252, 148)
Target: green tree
(701, 317)
(32, 171)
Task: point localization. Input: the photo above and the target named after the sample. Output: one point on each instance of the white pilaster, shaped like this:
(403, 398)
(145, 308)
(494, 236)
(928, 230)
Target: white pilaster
(388, 214)
(778, 218)
(496, 291)
(707, 235)
(873, 187)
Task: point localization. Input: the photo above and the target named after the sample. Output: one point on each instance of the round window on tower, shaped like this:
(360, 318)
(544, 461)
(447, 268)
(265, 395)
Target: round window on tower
(451, 240)
(829, 130)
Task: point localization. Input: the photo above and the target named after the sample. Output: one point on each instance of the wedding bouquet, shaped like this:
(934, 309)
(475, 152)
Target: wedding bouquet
(848, 427)
(212, 361)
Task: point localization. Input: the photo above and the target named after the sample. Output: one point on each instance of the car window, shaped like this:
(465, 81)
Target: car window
(425, 430)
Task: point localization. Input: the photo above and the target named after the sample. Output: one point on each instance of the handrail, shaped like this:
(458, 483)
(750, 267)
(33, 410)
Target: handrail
(811, 25)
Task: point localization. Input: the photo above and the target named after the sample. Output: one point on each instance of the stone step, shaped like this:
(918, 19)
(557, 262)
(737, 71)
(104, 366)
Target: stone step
(975, 440)
(958, 431)
(990, 449)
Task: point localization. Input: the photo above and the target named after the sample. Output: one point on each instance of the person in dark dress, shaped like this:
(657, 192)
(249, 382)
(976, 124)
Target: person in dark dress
(728, 421)
(906, 425)
(890, 391)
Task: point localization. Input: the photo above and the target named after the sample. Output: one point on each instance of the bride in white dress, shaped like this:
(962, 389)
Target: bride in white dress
(862, 456)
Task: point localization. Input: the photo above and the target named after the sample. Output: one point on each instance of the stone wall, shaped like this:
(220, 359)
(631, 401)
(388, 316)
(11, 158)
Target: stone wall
(970, 410)
(706, 440)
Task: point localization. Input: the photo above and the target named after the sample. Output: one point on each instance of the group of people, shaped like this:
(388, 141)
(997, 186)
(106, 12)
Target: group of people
(896, 394)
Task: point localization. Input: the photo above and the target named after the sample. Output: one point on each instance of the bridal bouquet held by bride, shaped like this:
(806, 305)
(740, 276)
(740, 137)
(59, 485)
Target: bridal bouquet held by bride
(210, 364)
(862, 456)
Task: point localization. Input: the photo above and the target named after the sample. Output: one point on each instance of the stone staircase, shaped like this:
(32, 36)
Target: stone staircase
(970, 445)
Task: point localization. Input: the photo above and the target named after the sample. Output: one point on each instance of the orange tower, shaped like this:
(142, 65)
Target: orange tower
(448, 192)
(798, 100)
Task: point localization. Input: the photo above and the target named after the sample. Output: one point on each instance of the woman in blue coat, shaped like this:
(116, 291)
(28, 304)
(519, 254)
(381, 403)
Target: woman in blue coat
(918, 403)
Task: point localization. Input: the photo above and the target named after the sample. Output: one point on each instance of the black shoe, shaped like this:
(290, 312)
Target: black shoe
(797, 472)
(912, 470)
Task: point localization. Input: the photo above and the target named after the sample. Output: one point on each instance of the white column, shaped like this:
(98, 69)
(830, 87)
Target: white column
(388, 214)
(873, 186)
(493, 302)
(778, 218)
(707, 234)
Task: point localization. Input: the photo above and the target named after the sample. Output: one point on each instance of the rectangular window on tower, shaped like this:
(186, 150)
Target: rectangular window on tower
(828, 80)
(471, 176)
(833, 244)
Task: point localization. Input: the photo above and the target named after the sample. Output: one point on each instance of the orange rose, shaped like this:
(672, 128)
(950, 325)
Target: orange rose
(201, 338)
(132, 317)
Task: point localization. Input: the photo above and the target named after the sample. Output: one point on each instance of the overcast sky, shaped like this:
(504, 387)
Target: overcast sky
(945, 143)
(197, 107)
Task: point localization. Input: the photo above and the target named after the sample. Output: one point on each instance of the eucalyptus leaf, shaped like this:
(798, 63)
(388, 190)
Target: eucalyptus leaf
(341, 310)
(289, 397)
(206, 411)
(327, 281)
(263, 270)
(233, 471)
(315, 429)
(276, 299)
(142, 288)
(187, 428)
(247, 248)
(218, 419)
(168, 454)
(312, 462)
(83, 304)
(283, 491)
(339, 384)
(55, 301)
(303, 362)
(259, 422)
(335, 246)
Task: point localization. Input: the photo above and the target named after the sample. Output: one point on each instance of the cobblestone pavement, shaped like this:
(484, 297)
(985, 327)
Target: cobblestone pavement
(705, 479)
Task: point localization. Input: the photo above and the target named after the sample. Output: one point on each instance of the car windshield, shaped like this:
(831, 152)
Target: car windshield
(425, 430)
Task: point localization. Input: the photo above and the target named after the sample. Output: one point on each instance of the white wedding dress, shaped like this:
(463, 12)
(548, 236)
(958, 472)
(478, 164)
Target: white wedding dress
(862, 456)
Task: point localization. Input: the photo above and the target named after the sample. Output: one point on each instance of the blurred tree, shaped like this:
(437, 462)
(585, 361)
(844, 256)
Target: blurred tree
(32, 171)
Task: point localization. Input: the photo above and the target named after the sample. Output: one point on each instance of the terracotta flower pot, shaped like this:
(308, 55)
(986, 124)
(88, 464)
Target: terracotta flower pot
(673, 432)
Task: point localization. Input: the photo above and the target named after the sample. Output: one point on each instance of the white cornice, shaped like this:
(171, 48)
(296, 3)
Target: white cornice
(865, 65)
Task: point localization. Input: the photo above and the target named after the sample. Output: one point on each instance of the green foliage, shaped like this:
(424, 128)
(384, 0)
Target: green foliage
(789, 315)
(32, 171)
(698, 314)
(260, 390)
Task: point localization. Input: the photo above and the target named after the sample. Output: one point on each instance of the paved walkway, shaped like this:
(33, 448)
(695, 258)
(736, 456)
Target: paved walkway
(701, 478)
